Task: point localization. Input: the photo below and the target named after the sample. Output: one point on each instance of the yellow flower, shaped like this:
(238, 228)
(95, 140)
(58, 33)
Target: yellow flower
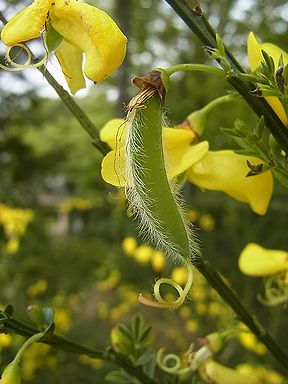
(255, 58)
(226, 171)
(129, 245)
(158, 261)
(179, 152)
(215, 170)
(11, 374)
(216, 373)
(82, 28)
(255, 260)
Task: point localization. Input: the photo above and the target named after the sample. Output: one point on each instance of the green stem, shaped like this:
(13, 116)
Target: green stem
(231, 298)
(31, 340)
(76, 111)
(193, 67)
(220, 100)
(57, 341)
(197, 22)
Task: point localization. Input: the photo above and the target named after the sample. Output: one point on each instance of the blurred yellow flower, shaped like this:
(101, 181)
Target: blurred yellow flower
(215, 170)
(249, 341)
(62, 320)
(5, 340)
(91, 362)
(12, 245)
(129, 245)
(76, 203)
(207, 222)
(179, 275)
(143, 254)
(38, 288)
(213, 372)
(82, 28)
(256, 57)
(265, 375)
(158, 261)
(255, 260)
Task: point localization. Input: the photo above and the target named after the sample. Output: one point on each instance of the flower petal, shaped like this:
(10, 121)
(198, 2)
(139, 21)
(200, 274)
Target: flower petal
(216, 373)
(180, 154)
(226, 171)
(70, 59)
(26, 24)
(255, 57)
(255, 260)
(92, 31)
(114, 133)
(113, 168)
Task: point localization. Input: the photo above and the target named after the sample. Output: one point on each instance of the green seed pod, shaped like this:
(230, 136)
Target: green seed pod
(149, 192)
(151, 195)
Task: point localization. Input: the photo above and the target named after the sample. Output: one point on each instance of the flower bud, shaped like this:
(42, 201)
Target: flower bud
(11, 374)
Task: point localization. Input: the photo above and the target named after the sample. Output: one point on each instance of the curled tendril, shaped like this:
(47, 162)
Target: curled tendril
(171, 363)
(15, 67)
(182, 292)
(276, 290)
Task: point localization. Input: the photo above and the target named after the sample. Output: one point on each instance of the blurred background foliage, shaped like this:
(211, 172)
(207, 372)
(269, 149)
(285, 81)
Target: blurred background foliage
(64, 247)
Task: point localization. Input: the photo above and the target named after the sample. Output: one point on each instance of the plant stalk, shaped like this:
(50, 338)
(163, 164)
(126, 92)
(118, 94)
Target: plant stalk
(12, 325)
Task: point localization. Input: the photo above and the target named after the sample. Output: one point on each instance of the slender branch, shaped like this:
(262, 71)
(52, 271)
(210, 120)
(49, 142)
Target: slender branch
(78, 112)
(193, 67)
(231, 298)
(73, 107)
(57, 341)
(197, 22)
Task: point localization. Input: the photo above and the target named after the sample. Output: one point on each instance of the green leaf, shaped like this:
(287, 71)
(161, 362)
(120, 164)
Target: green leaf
(137, 324)
(52, 38)
(9, 310)
(125, 331)
(220, 45)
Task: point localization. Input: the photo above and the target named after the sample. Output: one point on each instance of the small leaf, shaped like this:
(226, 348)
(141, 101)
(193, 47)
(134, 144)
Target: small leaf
(9, 310)
(125, 331)
(145, 334)
(220, 45)
(52, 38)
(269, 62)
(260, 127)
(137, 324)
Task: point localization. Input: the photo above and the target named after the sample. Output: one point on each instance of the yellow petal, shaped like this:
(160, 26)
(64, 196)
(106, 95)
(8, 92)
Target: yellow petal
(93, 32)
(226, 171)
(113, 168)
(180, 155)
(70, 59)
(255, 57)
(26, 24)
(216, 373)
(114, 133)
(255, 260)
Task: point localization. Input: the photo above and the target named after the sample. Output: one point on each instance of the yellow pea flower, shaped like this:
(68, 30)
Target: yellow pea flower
(226, 171)
(255, 58)
(83, 29)
(255, 260)
(213, 372)
(179, 151)
(215, 170)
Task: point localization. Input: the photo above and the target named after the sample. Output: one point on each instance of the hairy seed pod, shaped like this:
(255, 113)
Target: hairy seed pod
(151, 195)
